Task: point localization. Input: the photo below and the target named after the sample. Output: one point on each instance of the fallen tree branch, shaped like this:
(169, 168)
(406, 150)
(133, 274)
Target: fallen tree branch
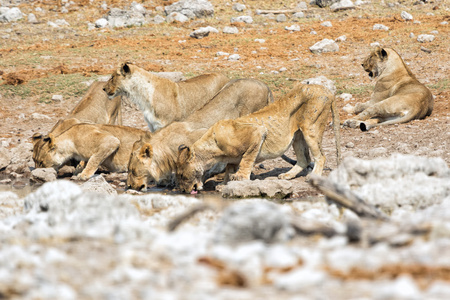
(346, 198)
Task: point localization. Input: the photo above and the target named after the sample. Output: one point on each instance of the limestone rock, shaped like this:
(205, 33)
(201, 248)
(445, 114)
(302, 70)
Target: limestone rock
(324, 46)
(98, 184)
(41, 175)
(191, 8)
(257, 188)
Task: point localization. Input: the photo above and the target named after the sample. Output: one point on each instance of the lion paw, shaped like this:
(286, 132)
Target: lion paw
(83, 177)
(352, 123)
(285, 176)
(237, 177)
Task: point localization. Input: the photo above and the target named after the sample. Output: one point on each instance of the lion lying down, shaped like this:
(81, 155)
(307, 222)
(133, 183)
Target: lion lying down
(398, 97)
(98, 144)
(154, 158)
(298, 118)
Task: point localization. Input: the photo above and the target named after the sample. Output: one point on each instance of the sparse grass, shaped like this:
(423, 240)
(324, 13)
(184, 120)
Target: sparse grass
(443, 84)
(69, 85)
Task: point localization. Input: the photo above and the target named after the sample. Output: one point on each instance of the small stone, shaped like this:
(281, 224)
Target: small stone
(342, 38)
(281, 18)
(324, 46)
(346, 97)
(220, 53)
(425, 49)
(239, 7)
(298, 15)
(313, 32)
(375, 44)
(176, 17)
(406, 16)
(230, 30)
(38, 116)
(425, 38)
(245, 19)
(43, 175)
(326, 24)
(350, 145)
(342, 5)
(57, 98)
(302, 6)
(444, 23)
(411, 35)
(261, 41)
(10, 15)
(300, 279)
(158, 19)
(293, 28)
(98, 184)
(101, 23)
(203, 32)
(380, 27)
(234, 57)
(32, 19)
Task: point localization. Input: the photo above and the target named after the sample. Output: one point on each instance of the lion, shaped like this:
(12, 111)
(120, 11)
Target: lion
(94, 107)
(398, 97)
(161, 100)
(154, 158)
(298, 118)
(99, 144)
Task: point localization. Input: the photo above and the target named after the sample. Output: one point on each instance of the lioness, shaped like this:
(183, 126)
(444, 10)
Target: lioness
(299, 117)
(94, 107)
(154, 158)
(161, 100)
(98, 144)
(398, 96)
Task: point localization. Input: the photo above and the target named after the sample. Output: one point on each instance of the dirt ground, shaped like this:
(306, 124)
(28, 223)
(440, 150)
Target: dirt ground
(37, 62)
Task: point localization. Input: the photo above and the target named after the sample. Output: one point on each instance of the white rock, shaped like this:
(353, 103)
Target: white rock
(375, 44)
(158, 19)
(203, 32)
(345, 96)
(425, 38)
(261, 41)
(175, 16)
(38, 116)
(322, 80)
(403, 287)
(5, 158)
(52, 24)
(281, 18)
(406, 16)
(11, 15)
(411, 35)
(57, 98)
(326, 24)
(279, 256)
(300, 279)
(444, 23)
(324, 46)
(62, 22)
(245, 19)
(101, 23)
(342, 38)
(43, 175)
(191, 8)
(137, 7)
(239, 7)
(32, 19)
(230, 30)
(234, 57)
(380, 27)
(301, 6)
(220, 53)
(293, 28)
(342, 5)
(299, 15)
(98, 184)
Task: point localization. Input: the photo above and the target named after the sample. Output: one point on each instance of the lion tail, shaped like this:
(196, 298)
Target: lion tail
(336, 129)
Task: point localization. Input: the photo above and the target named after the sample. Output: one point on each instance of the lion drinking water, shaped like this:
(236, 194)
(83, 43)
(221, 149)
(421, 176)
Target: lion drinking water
(298, 118)
(398, 97)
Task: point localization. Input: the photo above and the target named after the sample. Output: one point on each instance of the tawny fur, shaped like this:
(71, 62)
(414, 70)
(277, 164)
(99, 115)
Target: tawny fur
(95, 107)
(106, 145)
(398, 97)
(154, 158)
(161, 100)
(298, 118)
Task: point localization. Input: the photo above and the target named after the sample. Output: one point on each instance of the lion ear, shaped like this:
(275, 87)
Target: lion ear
(125, 69)
(146, 151)
(184, 154)
(383, 54)
(50, 138)
(36, 137)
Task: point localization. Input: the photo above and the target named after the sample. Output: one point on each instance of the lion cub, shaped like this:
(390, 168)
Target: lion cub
(298, 118)
(398, 97)
(98, 144)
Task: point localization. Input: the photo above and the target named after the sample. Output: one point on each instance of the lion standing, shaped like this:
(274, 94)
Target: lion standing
(398, 97)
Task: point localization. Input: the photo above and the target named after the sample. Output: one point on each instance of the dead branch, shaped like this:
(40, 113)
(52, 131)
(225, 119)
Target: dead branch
(346, 198)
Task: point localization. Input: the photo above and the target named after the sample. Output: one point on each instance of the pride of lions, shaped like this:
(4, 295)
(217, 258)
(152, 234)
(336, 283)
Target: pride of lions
(208, 124)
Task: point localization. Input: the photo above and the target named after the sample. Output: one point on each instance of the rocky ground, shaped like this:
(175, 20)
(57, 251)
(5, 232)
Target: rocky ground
(63, 241)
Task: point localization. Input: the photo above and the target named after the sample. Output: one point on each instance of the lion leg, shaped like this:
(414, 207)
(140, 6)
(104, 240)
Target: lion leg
(301, 151)
(107, 145)
(229, 170)
(313, 137)
(257, 137)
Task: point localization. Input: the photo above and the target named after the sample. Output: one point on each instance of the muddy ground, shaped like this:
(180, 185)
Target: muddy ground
(38, 61)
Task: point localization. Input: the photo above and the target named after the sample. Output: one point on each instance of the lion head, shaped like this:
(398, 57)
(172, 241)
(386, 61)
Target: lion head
(189, 173)
(113, 86)
(45, 152)
(375, 63)
(139, 166)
